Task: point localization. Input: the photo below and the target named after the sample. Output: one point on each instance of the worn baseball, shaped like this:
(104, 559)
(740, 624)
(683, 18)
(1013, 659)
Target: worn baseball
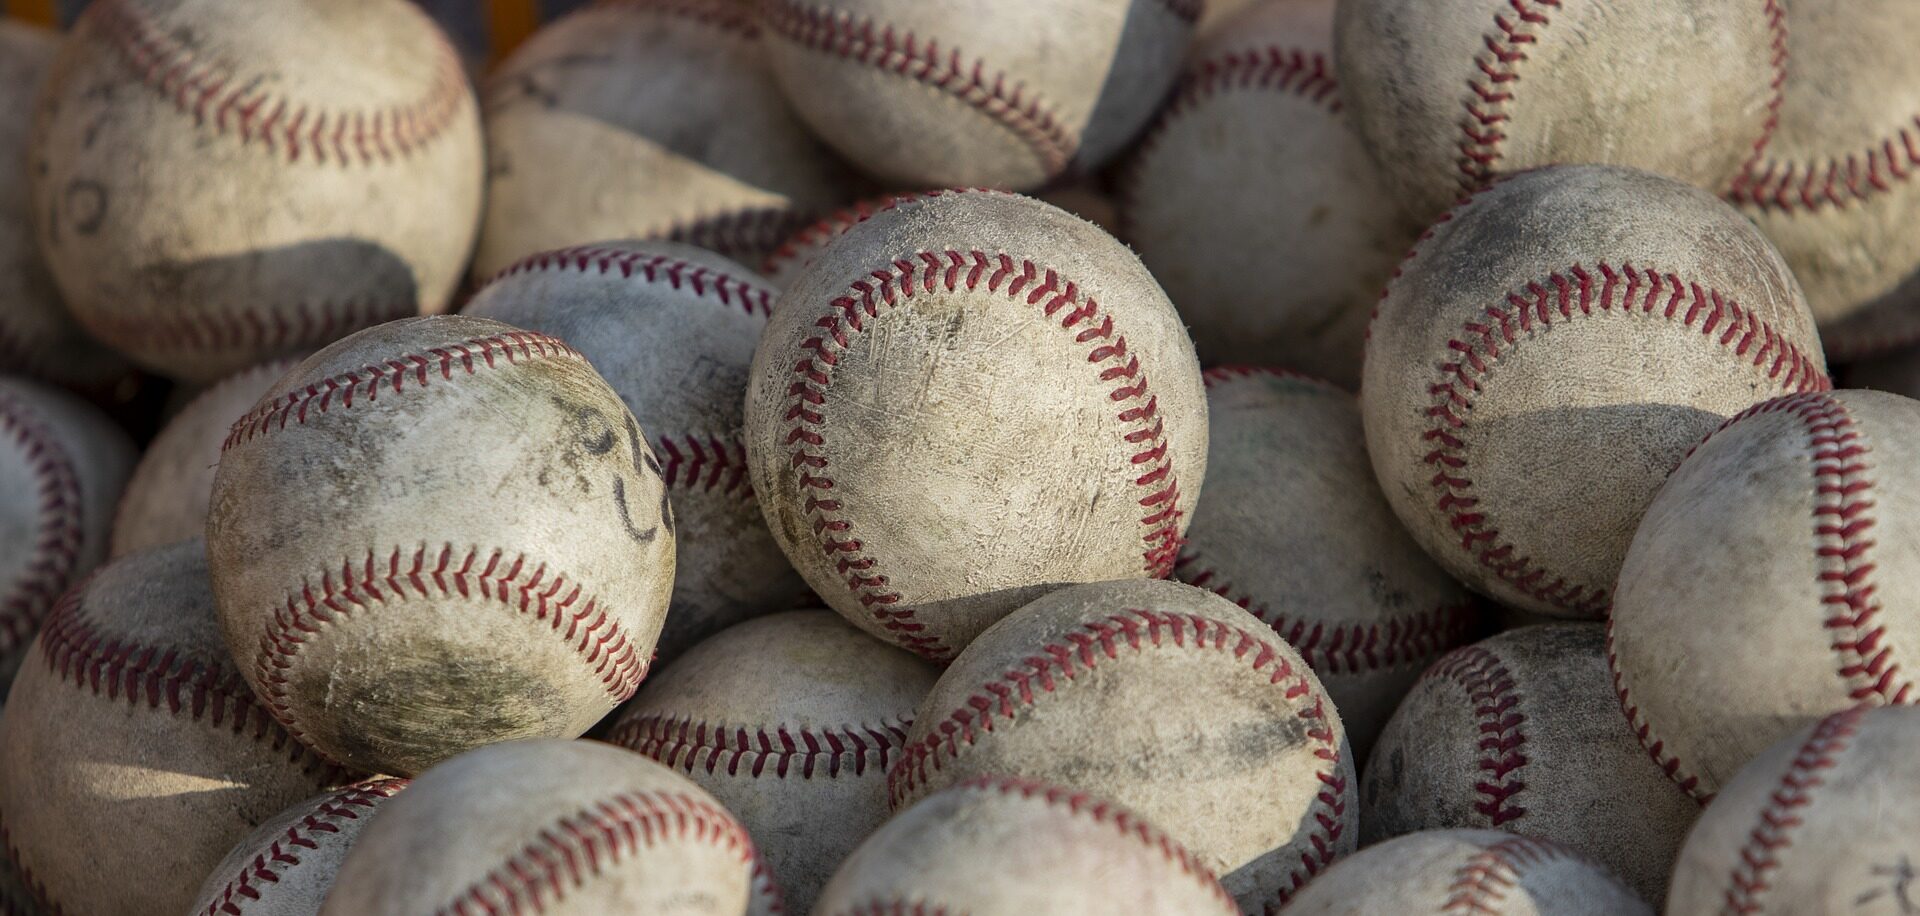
(1001, 845)
(1820, 822)
(1487, 872)
(1111, 687)
(647, 119)
(1772, 582)
(37, 335)
(964, 404)
(1255, 204)
(286, 866)
(554, 827)
(1831, 189)
(799, 250)
(1449, 96)
(211, 190)
(62, 466)
(436, 534)
(672, 329)
(1292, 527)
(1522, 733)
(1005, 93)
(1547, 354)
(165, 501)
(132, 754)
(790, 721)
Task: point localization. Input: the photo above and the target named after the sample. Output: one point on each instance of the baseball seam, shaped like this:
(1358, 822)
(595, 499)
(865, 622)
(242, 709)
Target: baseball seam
(1780, 814)
(708, 462)
(1655, 746)
(1078, 652)
(689, 744)
(1531, 310)
(366, 383)
(548, 596)
(1492, 692)
(1490, 89)
(212, 94)
(995, 94)
(999, 274)
(724, 15)
(1480, 885)
(55, 551)
(743, 233)
(281, 326)
(285, 852)
(648, 268)
(835, 224)
(577, 848)
(1221, 375)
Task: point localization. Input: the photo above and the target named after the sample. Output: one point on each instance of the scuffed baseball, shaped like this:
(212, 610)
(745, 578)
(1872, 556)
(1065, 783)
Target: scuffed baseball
(37, 336)
(1255, 204)
(564, 828)
(1000, 845)
(132, 754)
(1832, 188)
(1292, 527)
(436, 534)
(62, 466)
(1522, 732)
(1823, 821)
(165, 501)
(286, 866)
(1006, 93)
(672, 328)
(1548, 353)
(1773, 581)
(962, 404)
(1451, 95)
(211, 190)
(1468, 871)
(647, 119)
(790, 721)
(1160, 697)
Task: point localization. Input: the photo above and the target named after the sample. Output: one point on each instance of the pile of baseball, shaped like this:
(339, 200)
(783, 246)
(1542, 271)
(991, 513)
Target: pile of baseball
(893, 458)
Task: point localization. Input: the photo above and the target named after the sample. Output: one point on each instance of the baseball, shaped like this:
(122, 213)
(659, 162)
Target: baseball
(132, 754)
(1002, 845)
(1487, 872)
(165, 501)
(1549, 351)
(1770, 582)
(62, 465)
(961, 405)
(1820, 822)
(791, 722)
(1451, 95)
(672, 329)
(1522, 732)
(1082, 686)
(1253, 201)
(1005, 93)
(286, 866)
(1287, 477)
(564, 828)
(211, 189)
(647, 119)
(1882, 328)
(436, 534)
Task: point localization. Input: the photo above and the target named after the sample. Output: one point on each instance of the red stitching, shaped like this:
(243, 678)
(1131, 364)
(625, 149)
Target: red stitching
(1760, 855)
(995, 94)
(55, 553)
(1496, 701)
(213, 94)
(1078, 653)
(110, 666)
(1490, 88)
(806, 753)
(1534, 309)
(1220, 375)
(1058, 296)
(597, 838)
(1656, 748)
(739, 234)
(1786, 187)
(285, 853)
(709, 462)
(895, 907)
(395, 372)
(835, 224)
(512, 581)
(732, 290)
(280, 326)
(721, 14)
(1480, 886)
